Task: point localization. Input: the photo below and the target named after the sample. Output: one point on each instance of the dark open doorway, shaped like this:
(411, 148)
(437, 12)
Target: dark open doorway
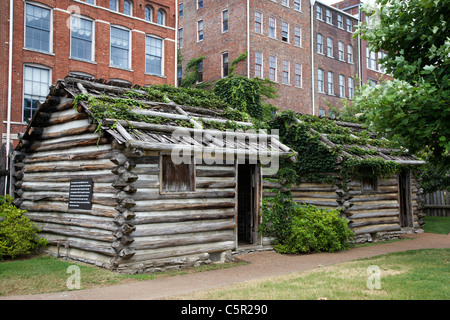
(404, 198)
(248, 204)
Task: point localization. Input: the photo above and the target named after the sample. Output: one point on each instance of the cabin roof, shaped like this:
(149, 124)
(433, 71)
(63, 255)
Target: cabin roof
(162, 125)
(354, 140)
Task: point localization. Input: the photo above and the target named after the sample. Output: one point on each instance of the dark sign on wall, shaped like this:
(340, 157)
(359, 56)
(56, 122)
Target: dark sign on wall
(80, 194)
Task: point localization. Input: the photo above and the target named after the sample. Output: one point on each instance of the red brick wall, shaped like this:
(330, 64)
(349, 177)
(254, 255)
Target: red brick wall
(333, 64)
(59, 60)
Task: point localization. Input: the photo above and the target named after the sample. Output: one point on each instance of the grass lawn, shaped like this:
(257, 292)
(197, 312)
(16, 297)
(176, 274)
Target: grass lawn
(409, 275)
(439, 225)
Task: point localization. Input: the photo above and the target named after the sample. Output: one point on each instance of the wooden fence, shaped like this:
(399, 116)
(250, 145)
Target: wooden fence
(437, 204)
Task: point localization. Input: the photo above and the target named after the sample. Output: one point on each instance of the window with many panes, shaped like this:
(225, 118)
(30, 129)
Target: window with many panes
(297, 5)
(81, 38)
(330, 82)
(161, 18)
(328, 16)
(128, 7)
(285, 78)
(38, 23)
(258, 22)
(224, 64)
(200, 30)
(341, 86)
(320, 80)
(319, 12)
(272, 27)
(258, 64)
(297, 36)
(298, 75)
(285, 32)
(329, 47)
(340, 22)
(349, 53)
(272, 68)
(341, 50)
(120, 48)
(319, 43)
(154, 48)
(36, 82)
(114, 5)
(350, 88)
(148, 14)
(225, 20)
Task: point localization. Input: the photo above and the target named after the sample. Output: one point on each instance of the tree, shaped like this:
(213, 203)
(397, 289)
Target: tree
(414, 108)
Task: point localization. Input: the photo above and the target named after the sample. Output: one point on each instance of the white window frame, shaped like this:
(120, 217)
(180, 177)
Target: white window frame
(341, 51)
(129, 47)
(285, 3)
(298, 3)
(116, 4)
(164, 14)
(329, 41)
(320, 81)
(330, 83)
(259, 58)
(351, 88)
(162, 55)
(261, 18)
(200, 30)
(349, 53)
(131, 8)
(274, 27)
(319, 13)
(198, 4)
(340, 21)
(92, 59)
(328, 17)
(349, 25)
(227, 20)
(285, 29)
(222, 67)
(273, 66)
(50, 46)
(320, 43)
(342, 86)
(38, 66)
(285, 80)
(149, 7)
(297, 35)
(298, 74)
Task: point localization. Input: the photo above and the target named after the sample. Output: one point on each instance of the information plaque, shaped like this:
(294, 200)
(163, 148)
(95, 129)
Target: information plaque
(80, 194)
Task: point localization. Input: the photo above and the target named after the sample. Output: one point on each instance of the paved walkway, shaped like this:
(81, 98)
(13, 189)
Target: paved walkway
(262, 264)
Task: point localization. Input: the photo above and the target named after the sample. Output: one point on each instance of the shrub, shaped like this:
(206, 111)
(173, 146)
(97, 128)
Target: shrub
(18, 235)
(303, 228)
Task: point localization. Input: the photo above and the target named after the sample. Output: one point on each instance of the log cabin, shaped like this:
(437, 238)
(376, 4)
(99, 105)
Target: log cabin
(374, 182)
(114, 178)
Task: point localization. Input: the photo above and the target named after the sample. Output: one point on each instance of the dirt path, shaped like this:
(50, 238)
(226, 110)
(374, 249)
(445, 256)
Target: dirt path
(262, 264)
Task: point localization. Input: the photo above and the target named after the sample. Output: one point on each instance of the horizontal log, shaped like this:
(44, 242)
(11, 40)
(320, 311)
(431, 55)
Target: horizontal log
(77, 233)
(183, 240)
(374, 197)
(144, 194)
(375, 206)
(170, 205)
(183, 227)
(185, 215)
(53, 206)
(214, 173)
(61, 187)
(80, 142)
(105, 199)
(83, 153)
(78, 222)
(74, 165)
(319, 203)
(102, 176)
(375, 214)
(436, 206)
(382, 228)
(105, 250)
(373, 222)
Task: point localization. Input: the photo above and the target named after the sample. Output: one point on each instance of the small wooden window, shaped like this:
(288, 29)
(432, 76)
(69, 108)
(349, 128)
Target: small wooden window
(369, 184)
(176, 177)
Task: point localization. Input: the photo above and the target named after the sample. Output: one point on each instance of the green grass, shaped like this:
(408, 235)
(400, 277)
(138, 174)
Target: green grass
(42, 274)
(439, 225)
(409, 275)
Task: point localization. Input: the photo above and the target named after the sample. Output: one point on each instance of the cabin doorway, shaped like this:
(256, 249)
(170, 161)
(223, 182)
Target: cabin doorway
(404, 198)
(248, 189)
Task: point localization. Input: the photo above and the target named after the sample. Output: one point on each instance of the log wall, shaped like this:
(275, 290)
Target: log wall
(62, 146)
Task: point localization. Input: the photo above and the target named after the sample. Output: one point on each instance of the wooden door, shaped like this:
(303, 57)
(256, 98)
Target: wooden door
(404, 198)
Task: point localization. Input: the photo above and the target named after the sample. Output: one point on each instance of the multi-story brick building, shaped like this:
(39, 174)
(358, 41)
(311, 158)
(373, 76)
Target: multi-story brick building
(276, 35)
(120, 40)
(371, 70)
(336, 57)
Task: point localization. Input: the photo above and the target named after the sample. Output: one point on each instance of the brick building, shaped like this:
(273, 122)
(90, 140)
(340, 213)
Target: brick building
(276, 35)
(336, 57)
(118, 40)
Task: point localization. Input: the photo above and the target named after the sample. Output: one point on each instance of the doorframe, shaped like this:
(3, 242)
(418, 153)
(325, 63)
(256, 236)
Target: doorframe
(406, 219)
(256, 178)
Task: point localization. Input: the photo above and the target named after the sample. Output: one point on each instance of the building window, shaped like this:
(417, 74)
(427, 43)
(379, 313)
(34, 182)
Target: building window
(319, 43)
(225, 20)
(114, 5)
(381, 55)
(319, 12)
(330, 83)
(341, 86)
(199, 4)
(176, 177)
(328, 17)
(298, 75)
(297, 36)
(180, 10)
(154, 55)
(128, 7)
(120, 48)
(349, 25)
(320, 80)
(297, 5)
(148, 13)
(258, 64)
(179, 75)
(38, 23)
(36, 82)
(329, 47)
(81, 39)
(180, 38)
(285, 32)
(200, 72)
(272, 68)
(321, 112)
(285, 3)
(161, 18)
(349, 54)
(371, 60)
(369, 184)
(200, 30)
(285, 78)
(350, 88)
(258, 22)
(340, 22)
(90, 1)
(224, 64)
(372, 82)
(272, 27)
(341, 50)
